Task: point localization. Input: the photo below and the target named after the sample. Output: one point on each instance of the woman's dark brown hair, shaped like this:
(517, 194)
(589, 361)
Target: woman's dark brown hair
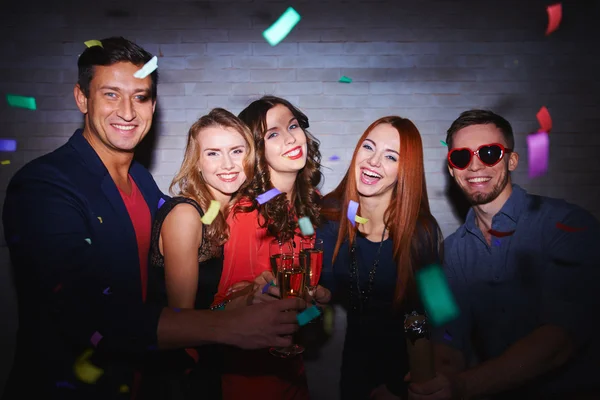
(275, 214)
(415, 234)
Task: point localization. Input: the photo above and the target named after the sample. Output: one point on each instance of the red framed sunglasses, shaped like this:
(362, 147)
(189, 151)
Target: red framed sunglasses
(489, 154)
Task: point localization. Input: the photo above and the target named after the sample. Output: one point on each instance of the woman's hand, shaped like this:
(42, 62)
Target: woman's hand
(246, 293)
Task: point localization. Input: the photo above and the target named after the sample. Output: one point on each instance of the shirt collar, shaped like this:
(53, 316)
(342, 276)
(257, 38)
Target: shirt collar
(512, 209)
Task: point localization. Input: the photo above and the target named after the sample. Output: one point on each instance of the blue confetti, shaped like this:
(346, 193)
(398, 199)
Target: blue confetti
(334, 158)
(107, 291)
(161, 201)
(268, 195)
(352, 210)
(8, 145)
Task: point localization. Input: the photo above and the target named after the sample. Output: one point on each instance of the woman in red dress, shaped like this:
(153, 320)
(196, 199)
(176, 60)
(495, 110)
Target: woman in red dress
(287, 159)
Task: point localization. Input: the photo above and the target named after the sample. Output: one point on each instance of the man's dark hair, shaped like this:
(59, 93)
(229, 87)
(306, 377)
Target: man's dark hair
(481, 117)
(113, 50)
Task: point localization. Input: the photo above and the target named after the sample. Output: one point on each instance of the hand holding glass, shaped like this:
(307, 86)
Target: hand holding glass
(313, 248)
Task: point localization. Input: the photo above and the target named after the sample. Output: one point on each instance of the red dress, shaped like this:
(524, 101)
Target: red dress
(254, 374)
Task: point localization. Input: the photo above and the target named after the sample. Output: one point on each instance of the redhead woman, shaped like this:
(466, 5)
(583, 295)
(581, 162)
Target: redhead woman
(287, 159)
(370, 267)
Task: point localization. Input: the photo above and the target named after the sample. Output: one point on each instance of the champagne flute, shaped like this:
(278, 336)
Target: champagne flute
(276, 249)
(313, 248)
(291, 281)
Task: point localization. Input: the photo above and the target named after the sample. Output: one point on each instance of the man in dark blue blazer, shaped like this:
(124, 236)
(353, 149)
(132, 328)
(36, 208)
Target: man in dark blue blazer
(77, 222)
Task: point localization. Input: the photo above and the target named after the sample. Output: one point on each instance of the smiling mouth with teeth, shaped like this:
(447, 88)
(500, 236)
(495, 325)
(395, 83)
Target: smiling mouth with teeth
(124, 127)
(371, 174)
(478, 180)
(293, 153)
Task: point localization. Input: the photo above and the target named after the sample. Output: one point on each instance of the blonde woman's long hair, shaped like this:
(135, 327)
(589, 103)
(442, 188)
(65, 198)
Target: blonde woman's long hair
(189, 181)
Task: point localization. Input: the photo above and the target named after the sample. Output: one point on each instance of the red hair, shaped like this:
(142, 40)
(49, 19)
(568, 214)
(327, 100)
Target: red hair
(412, 227)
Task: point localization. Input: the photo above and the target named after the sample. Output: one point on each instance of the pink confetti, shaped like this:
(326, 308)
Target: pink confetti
(544, 119)
(96, 338)
(554, 17)
(538, 145)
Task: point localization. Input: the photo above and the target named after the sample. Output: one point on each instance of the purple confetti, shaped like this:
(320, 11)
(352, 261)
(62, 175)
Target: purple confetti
(334, 158)
(96, 338)
(447, 336)
(177, 309)
(161, 201)
(497, 242)
(268, 195)
(538, 148)
(352, 210)
(8, 145)
(107, 291)
(65, 384)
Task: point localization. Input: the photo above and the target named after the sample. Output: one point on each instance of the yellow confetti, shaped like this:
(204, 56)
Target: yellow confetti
(92, 43)
(5, 162)
(361, 220)
(85, 371)
(123, 389)
(211, 213)
(99, 219)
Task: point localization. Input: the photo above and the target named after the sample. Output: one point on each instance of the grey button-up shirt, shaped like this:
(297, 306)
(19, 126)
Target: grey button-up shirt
(546, 272)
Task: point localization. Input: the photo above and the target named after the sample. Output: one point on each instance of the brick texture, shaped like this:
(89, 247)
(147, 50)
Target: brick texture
(426, 60)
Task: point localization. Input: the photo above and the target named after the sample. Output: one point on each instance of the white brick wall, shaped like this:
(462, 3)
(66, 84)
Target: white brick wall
(426, 60)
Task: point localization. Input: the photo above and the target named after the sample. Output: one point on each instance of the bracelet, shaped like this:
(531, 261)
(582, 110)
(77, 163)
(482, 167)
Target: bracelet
(219, 306)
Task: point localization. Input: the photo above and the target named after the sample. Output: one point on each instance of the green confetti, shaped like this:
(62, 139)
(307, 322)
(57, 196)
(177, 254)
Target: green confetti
(88, 240)
(444, 143)
(436, 295)
(5, 162)
(282, 27)
(21, 101)
(345, 79)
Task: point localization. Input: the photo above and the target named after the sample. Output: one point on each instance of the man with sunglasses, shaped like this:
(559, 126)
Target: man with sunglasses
(523, 271)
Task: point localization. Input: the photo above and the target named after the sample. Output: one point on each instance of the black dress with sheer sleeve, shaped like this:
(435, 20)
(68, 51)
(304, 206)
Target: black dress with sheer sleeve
(174, 374)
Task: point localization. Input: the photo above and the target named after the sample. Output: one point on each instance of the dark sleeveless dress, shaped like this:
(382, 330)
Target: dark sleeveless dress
(173, 374)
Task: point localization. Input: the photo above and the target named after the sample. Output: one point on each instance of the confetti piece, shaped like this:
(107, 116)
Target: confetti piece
(567, 228)
(99, 219)
(65, 384)
(5, 162)
(306, 226)
(308, 315)
(123, 389)
(361, 220)
(96, 338)
(107, 291)
(436, 295)
(447, 336)
(537, 149)
(161, 201)
(8, 145)
(84, 370)
(554, 17)
(88, 240)
(92, 43)
(147, 69)
(334, 158)
(352, 209)
(193, 353)
(500, 234)
(265, 288)
(544, 119)
(444, 143)
(211, 213)
(497, 242)
(177, 309)
(345, 79)
(268, 195)
(21, 101)
(282, 27)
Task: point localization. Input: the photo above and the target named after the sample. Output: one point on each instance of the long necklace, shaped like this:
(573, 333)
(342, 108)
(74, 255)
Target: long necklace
(363, 296)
